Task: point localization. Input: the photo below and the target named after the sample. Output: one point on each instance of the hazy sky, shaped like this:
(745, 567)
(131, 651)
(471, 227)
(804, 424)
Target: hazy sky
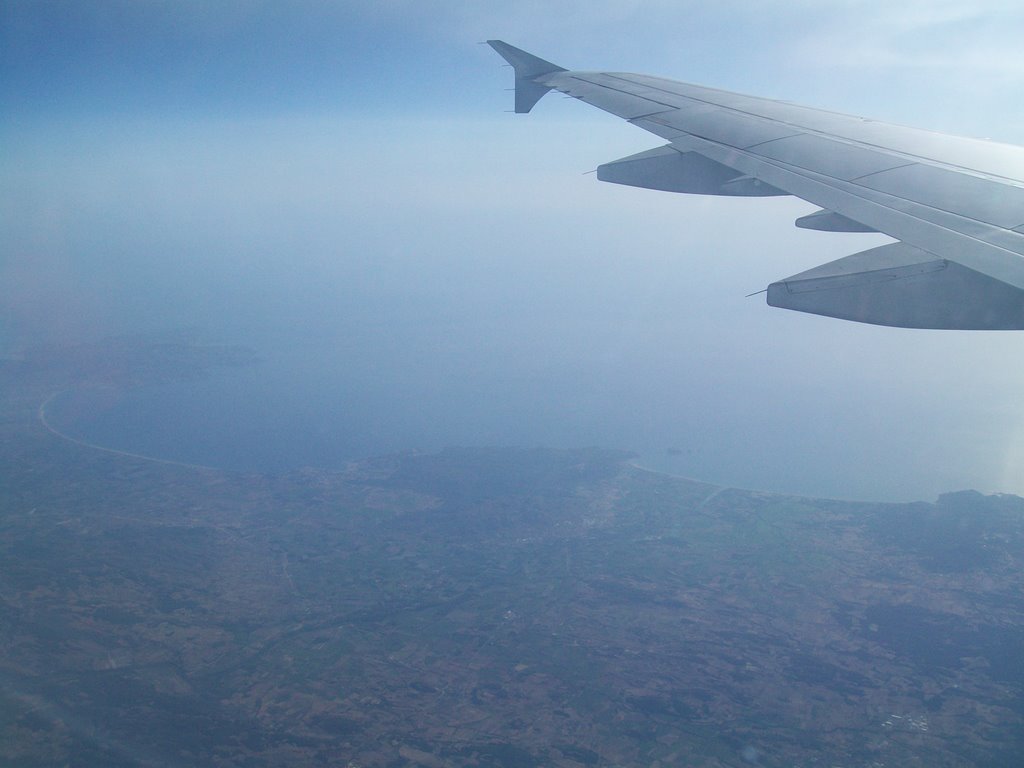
(346, 174)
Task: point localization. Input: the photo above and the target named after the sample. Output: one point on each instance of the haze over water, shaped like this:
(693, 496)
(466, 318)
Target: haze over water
(308, 405)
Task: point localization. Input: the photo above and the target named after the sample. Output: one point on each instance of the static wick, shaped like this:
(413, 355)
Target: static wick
(763, 290)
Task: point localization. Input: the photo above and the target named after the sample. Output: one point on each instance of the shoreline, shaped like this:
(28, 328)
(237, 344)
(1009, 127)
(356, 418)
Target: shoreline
(41, 414)
(635, 463)
(718, 488)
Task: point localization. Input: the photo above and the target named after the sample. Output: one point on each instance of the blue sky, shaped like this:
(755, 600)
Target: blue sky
(347, 173)
(347, 57)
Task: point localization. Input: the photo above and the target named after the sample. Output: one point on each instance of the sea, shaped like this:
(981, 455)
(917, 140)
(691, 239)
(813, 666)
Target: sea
(301, 407)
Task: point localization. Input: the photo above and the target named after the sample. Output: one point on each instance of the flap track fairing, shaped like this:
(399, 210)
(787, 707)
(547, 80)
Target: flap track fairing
(669, 170)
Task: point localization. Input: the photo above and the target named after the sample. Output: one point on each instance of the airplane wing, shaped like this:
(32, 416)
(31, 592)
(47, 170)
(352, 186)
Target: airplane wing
(955, 205)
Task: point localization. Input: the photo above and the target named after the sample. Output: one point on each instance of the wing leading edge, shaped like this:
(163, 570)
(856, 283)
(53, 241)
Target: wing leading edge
(955, 205)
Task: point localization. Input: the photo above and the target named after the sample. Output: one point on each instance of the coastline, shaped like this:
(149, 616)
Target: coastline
(41, 413)
(636, 463)
(719, 488)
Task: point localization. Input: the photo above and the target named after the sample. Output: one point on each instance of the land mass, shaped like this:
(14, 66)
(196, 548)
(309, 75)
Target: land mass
(484, 607)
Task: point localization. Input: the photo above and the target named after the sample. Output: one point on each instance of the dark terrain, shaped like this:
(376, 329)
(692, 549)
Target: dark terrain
(485, 607)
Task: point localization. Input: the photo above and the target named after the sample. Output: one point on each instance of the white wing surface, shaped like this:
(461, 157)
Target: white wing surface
(955, 205)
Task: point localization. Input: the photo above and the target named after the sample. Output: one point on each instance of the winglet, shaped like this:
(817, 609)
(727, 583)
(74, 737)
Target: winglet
(528, 68)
